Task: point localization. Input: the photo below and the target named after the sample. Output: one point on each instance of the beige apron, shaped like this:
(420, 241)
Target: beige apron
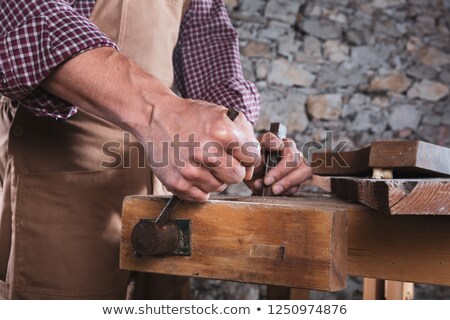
(158, 23)
(60, 208)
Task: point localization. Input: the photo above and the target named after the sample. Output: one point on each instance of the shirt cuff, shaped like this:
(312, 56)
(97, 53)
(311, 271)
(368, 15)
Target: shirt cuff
(238, 94)
(33, 49)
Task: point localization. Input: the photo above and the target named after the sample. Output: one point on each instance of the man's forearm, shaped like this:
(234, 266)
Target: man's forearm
(109, 85)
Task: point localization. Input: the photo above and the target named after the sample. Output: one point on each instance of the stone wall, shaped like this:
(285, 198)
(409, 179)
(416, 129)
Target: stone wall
(365, 70)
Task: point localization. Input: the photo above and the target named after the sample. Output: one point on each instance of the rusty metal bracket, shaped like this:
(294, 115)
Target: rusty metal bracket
(173, 238)
(185, 242)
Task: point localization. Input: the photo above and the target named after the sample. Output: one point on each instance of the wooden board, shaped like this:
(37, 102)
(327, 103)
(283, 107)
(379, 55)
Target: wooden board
(397, 290)
(341, 163)
(406, 158)
(411, 156)
(409, 248)
(373, 289)
(396, 196)
(403, 247)
(264, 242)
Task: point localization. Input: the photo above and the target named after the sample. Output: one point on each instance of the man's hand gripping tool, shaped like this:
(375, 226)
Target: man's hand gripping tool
(163, 236)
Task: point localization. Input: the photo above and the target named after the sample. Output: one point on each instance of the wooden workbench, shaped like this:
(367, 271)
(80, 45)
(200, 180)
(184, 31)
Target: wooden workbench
(341, 237)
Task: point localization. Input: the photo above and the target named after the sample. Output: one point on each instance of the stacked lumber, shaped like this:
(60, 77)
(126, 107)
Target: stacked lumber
(417, 181)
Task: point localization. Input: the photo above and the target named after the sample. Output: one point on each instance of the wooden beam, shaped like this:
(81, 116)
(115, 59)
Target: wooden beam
(406, 158)
(396, 290)
(411, 157)
(373, 289)
(376, 289)
(300, 294)
(403, 247)
(341, 163)
(408, 248)
(264, 242)
(322, 182)
(397, 196)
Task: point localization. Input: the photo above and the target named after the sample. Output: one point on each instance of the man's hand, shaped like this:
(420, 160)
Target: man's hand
(109, 85)
(290, 172)
(203, 149)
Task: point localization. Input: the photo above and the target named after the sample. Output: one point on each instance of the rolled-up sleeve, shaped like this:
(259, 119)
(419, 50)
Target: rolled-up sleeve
(207, 61)
(36, 36)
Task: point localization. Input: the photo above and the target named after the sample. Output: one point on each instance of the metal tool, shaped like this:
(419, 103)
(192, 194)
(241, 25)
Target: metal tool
(273, 157)
(162, 236)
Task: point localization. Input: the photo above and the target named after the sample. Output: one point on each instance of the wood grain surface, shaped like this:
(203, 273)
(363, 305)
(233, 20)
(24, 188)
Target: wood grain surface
(409, 248)
(396, 196)
(341, 163)
(265, 242)
(407, 159)
(417, 157)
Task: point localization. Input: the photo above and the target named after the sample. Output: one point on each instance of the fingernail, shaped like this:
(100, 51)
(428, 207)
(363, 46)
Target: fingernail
(277, 189)
(269, 180)
(222, 188)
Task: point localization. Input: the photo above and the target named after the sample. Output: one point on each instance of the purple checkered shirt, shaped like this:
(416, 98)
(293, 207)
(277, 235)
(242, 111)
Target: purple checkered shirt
(36, 36)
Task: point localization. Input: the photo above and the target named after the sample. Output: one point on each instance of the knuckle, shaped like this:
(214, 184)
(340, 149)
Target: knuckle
(290, 142)
(198, 155)
(276, 173)
(290, 145)
(190, 173)
(181, 187)
(294, 160)
(223, 135)
(171, 183)
(297, 159)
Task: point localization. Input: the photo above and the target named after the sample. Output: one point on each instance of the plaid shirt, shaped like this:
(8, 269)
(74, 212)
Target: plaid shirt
(36, 36)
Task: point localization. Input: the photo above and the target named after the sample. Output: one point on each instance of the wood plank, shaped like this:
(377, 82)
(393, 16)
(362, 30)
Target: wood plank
(300, 294)
(411, 156)
(240, 241)
(409, 248)
(406, 158)
(373, 289)
(397, 196)
(397, 290)
(323, 182)
(376, 289)
(341, 163)
(402, 247)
